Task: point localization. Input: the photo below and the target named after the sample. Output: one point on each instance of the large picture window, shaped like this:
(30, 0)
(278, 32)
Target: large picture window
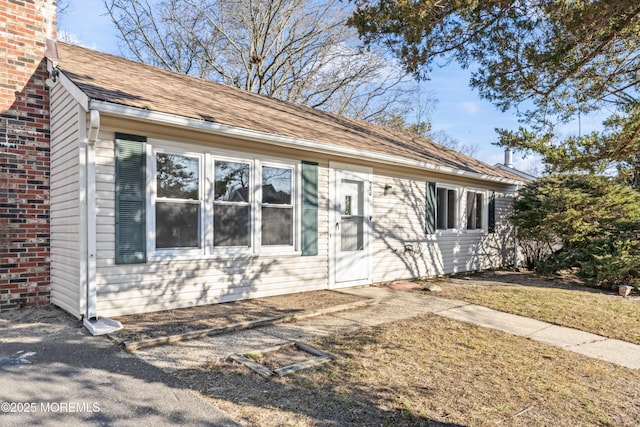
(232, 204)
(277, 206)
(446, 209)
(475, 210)
(221, 202)
(178, 201)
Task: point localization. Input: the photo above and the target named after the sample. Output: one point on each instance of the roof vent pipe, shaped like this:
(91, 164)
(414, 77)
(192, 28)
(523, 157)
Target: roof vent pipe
(508, 158)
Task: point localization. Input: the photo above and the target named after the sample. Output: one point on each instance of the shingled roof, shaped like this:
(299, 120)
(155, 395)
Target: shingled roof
(120, 81)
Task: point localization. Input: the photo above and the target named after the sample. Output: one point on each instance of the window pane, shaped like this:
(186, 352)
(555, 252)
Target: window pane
(277, 226)
(177, 176)
(451, 209)
(442, 209)
(177, 225)
(231, 225)
(231, 181)
(353, 197)
(478, 210)
(352, 236)
(471, 210)
(276, 185)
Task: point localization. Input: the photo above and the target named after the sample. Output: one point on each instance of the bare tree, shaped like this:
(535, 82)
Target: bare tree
(294, 50)
(443, 138)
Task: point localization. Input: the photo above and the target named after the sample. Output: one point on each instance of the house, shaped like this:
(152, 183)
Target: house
(508, 166)
(168, 191)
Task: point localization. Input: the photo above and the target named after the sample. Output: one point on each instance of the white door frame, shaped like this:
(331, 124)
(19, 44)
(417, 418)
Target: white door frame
(334, 218)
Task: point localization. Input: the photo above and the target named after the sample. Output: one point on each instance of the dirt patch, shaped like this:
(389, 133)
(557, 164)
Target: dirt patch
(174, 322)
(284, 356)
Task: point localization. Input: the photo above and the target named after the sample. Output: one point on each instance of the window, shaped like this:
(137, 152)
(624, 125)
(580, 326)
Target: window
(475, 210)
(218, 202)
(177, 201)
(276, 206)
(446, 209)
(232, 204)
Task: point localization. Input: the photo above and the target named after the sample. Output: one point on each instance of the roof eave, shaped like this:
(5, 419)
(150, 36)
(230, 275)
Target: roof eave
(76, 93)
(140, 114)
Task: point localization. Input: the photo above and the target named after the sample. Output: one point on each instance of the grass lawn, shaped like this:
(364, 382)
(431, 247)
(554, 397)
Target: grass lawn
(430, 371)
(560, 302)
(435, 371)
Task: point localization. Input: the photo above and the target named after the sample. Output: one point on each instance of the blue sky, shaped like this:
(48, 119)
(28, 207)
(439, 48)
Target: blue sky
(459, 111)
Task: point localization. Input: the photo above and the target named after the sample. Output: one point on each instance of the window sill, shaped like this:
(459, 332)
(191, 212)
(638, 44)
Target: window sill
(448, 232)
(221, 255)
(478, 231)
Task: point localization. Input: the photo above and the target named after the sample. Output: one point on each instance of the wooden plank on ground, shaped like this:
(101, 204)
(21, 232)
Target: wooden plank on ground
(302, 365)
(260, 369)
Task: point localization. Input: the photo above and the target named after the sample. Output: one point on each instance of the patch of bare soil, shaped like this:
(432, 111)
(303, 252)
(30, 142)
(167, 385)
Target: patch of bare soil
(33, 323)
(41, 314)
(173, 322)
(285, 356)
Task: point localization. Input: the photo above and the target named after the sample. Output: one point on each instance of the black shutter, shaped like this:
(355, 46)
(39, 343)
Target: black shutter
(131, 177)
(430, 215)
(492, 213)
(309, 208)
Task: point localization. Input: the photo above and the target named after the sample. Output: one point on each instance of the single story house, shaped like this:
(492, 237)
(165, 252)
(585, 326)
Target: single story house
(127, 188)
(169, 191)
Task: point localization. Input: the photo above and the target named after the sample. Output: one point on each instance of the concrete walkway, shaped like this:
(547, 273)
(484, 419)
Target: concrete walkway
(393, 305)
(598, 347)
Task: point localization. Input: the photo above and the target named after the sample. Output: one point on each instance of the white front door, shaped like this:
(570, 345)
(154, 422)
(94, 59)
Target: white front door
(352, 228)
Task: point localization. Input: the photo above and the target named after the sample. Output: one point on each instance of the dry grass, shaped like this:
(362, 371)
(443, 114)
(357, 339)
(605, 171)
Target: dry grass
(436, 371)
(430, 371)
(560, 302)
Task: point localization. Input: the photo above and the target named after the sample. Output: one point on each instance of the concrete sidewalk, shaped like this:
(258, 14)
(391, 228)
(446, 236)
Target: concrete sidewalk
(392, 305)
(611, 350)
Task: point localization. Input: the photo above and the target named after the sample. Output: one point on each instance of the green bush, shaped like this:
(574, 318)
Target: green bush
(592, 222)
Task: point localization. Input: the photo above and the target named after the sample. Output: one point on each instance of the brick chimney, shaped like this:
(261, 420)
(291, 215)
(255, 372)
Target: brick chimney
(24, 152)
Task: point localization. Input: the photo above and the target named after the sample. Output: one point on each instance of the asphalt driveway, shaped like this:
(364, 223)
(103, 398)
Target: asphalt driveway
(53, 372)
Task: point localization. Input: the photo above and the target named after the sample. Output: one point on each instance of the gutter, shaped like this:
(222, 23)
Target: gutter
(124, 111)
(95, 325)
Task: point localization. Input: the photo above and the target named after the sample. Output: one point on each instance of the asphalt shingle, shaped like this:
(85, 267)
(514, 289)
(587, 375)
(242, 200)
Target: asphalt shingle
(121, 81)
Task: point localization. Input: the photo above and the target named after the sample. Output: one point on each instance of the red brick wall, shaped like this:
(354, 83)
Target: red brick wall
(24, 152)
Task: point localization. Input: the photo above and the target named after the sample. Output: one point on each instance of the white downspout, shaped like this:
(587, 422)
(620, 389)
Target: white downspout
(92, 137)
(95, 325)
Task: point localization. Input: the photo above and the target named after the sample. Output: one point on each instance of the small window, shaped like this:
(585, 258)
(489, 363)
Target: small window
(446, 210)
(232, 204)
(475, 211)
(277, 206)
(177, 201)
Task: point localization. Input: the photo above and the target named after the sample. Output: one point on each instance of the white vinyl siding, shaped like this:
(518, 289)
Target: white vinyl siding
(401, 250)
(67, 195)
(175, 282)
